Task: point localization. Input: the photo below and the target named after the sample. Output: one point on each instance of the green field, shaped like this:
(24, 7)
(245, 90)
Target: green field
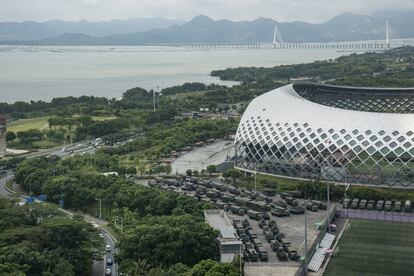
(377, 248)
(41, 123)
(26, 124)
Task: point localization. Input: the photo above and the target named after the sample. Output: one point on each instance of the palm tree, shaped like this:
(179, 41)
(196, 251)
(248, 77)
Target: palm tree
(139, 268)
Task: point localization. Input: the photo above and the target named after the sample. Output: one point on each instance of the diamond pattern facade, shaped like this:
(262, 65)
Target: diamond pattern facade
(282, 133)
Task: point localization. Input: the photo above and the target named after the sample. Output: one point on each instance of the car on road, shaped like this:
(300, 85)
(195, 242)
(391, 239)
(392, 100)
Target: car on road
(108, 271)
(101, 235)
(109, 261)
(108, 248)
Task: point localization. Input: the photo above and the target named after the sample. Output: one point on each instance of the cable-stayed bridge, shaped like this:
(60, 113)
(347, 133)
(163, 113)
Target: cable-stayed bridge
(278, 43)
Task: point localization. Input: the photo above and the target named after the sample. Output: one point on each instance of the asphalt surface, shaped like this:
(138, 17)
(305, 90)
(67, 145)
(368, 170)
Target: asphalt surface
(199, 158)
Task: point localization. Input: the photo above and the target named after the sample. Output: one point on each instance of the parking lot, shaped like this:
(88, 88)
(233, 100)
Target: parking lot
(227, 197)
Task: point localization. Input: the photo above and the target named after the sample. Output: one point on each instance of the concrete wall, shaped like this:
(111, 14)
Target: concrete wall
(3, 130)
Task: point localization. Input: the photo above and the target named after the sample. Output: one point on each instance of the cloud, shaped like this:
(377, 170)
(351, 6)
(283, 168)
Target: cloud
(281, 10)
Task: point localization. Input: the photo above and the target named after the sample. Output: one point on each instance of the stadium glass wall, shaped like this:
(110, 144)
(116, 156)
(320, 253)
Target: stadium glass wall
(331, 133)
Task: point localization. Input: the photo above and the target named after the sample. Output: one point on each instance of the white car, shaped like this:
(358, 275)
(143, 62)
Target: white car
(108, 248)
(108, 271)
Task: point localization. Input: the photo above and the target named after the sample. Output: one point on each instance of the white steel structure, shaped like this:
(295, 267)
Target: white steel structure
(331, 133)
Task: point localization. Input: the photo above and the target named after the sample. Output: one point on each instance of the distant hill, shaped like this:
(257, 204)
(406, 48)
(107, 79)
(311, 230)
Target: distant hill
(202, 29)
(30, 30)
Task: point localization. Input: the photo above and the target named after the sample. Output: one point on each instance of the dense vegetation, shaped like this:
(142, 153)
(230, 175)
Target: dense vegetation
(163, 232)
(391, 68)
(166, 227)
(40, 240)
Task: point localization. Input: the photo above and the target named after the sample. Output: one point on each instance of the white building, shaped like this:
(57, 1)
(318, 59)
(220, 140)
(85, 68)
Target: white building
(340, 134)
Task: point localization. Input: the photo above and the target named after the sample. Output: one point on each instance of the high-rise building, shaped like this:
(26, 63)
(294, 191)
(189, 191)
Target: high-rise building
(331, 133)
(3, 130)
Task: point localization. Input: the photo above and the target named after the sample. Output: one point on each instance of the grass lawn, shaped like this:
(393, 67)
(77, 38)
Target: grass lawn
(40, 123)
(374, 248)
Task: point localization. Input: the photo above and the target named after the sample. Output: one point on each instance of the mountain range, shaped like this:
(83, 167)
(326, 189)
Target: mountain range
(202, 29)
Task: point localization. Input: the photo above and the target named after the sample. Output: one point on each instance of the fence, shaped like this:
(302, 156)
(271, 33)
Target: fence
(321, 234)
(376, 215)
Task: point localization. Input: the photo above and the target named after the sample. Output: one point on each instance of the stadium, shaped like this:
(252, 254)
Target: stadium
(330, 133)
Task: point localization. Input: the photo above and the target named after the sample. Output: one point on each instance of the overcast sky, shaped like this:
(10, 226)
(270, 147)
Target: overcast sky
(281, 10)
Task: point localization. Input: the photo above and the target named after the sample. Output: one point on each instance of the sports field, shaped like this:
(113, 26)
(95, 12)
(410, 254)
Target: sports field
(377, 248)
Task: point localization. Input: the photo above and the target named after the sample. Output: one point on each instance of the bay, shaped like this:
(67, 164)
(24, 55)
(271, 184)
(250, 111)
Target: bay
(46, 72)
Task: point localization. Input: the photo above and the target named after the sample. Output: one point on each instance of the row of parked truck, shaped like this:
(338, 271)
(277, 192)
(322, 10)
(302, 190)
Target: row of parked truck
(380, 205)
(253, 249)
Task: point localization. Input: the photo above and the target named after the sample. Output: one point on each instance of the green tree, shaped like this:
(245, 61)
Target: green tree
(233, 174)
(10, 136)
(211, 169)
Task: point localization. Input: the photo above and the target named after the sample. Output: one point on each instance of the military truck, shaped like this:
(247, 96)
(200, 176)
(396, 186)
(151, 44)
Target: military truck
(311, 206)
(296, 210)
(397, 206)
(262, 254)
(380, 205)
(363, 204)
(388, 205)
(262, 223)
(291, 201)
(284, 195)
(258, 206)
(233, 190)
(212, 194)
(346, 203)
(280, 203)
(275, 244)
(246, 223)
(321, 205)
(354, 204)
(281, 254)
(294, 256)
(252, 255)
(296, 194)
(254, 215)
(371, 204)
(241, 201)
(269, 192)
(280, 211)
(237, 210)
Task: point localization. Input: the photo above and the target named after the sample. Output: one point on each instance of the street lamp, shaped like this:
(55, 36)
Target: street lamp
(255, 176)
(306, 238)
(122, 225)
(154, 96)
(100, 206)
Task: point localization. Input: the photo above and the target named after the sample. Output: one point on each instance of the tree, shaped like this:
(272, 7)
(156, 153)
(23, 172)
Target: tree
(29, 136)
(233, 174)
(10, 136)
(211, 169)
(214, 268)
(189, 172)
(131, 170)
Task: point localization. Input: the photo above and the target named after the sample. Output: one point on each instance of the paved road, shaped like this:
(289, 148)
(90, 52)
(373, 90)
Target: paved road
(83, 147)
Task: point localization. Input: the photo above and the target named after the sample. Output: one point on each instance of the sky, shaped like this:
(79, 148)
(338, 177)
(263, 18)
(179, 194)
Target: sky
(282, 10)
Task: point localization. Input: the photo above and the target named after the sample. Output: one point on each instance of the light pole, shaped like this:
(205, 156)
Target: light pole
(122, 225)
(100, 207)
(240, 259)
(306, 238)
(154, 97)
(255, 176)
(329, 207)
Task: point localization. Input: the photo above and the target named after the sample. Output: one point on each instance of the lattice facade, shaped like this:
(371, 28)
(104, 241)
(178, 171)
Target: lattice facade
(281, 133)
